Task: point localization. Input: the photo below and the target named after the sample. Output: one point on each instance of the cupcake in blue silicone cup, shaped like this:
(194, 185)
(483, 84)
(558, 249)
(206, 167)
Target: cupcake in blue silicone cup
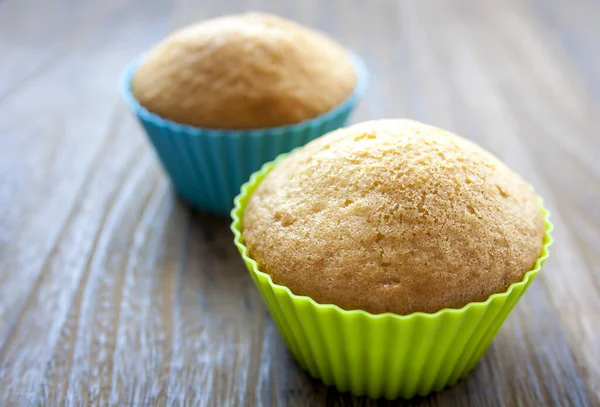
(220, 98)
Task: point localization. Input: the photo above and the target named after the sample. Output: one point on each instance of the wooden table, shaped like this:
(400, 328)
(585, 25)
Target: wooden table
(112, 292)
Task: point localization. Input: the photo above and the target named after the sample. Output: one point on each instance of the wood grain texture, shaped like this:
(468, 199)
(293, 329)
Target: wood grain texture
(112, 292)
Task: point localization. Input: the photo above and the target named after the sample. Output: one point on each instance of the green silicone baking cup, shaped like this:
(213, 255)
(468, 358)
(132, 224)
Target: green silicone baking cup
(383, 355)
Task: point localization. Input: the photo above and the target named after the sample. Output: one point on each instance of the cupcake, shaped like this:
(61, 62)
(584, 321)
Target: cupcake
(220, 98)
(389, 253)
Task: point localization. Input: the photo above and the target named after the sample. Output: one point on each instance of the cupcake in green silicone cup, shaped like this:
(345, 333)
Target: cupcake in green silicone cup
(389, 253)
(221, 97)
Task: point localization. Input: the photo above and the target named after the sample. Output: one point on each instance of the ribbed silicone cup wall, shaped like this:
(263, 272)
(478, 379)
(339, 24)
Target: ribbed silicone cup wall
(208, 166)
(383, 355)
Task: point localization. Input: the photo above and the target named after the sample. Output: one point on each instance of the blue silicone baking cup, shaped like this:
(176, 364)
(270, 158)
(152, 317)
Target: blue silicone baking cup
(208, 166)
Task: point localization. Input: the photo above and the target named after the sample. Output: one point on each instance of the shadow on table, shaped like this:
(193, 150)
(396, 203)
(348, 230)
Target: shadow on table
(217, 269)
(454, 395)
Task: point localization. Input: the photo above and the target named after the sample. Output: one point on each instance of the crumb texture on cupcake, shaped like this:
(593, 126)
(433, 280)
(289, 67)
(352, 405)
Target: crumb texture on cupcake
(244, 71)
(394, 216)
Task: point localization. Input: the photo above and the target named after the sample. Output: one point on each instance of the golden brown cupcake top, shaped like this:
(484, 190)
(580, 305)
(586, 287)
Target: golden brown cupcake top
(244, 71)
(394, 215)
